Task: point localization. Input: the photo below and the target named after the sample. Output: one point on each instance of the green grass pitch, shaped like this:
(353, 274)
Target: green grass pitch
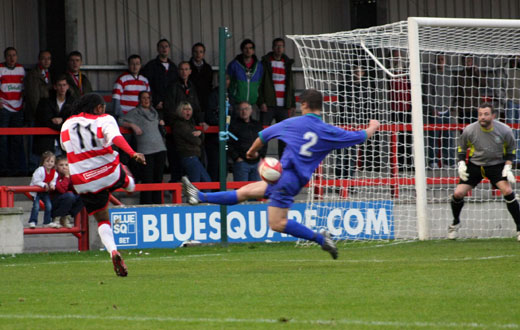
(467, 284)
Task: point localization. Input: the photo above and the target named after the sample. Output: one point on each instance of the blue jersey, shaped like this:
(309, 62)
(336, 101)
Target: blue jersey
(308, 140)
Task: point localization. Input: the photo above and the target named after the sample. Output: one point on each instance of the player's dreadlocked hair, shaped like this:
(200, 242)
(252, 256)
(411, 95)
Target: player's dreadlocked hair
(87, 103)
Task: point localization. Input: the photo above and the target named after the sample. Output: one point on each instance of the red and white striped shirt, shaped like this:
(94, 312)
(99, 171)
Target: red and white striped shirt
(87, 139)
(127, 89)
(11, 87)
(279, 81)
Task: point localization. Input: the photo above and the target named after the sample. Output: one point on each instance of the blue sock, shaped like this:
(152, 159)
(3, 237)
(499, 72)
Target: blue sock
(221, 197)
(296, 229)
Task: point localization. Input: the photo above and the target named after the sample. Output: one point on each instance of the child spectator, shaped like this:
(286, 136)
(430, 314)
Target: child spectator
(44, 176)
(66, 203)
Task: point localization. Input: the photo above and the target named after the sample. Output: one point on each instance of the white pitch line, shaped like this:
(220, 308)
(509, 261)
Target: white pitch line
(175, 258)
(263, 321)
(225, 259)
(480, 258)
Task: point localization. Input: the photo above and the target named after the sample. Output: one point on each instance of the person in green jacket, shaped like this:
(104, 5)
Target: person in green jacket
(243, 75)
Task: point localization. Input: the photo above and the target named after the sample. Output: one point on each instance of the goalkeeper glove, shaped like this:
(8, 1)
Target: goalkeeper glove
(507, 172)
(463, 171)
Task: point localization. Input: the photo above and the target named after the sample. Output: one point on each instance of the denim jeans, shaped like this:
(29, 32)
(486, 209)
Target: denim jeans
(12, 160)
(46, 199)
(512, 116)
(194, 169)
(243, 171)
(440, 143)
(67, 203)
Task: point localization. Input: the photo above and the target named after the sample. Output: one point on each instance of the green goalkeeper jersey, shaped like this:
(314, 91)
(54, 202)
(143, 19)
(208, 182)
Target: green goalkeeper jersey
(487, 147)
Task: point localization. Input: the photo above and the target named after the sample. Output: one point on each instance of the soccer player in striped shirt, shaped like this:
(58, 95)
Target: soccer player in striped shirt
(95, 170)
(308, 141)
(125, 95)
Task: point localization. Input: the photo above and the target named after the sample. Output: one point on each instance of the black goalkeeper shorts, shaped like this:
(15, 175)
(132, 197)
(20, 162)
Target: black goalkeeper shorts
(477, 173)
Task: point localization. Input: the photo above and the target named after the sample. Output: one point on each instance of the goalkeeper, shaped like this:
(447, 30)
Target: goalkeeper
(492, 150)
(308, 140)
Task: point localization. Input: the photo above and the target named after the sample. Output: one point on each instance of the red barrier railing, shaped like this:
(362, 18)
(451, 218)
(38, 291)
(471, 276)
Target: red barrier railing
(81, 227)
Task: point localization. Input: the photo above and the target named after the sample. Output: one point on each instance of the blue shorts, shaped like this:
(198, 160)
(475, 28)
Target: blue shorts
(281, 194)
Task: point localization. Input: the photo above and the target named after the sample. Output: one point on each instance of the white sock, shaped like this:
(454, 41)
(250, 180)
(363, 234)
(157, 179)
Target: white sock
(107, 237)
(131, 184)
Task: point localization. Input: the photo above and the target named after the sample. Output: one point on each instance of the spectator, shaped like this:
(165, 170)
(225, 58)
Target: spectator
(439, 93)
(470, 81)
(125, 98)
(51, 113)
(211, 141)
(244, 74)
(128, 86)
(246, 130)
(66, 203)
(276, 93)
(401, 107)
(37, 85)
(45, 177)
(188, 143)
(512, 113)
(77, 80)
(161, 73)
(181, 91)
(12, 75)
(357, 98)
(201, 75)
(145, 123)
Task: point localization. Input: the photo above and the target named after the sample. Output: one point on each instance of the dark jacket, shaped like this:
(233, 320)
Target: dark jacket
(48, 109)
(202, 78)
(266, 92)
(246, 134)
(186, 143)
(159, 78)
(176, 94)
(75, 92)
(35, 89)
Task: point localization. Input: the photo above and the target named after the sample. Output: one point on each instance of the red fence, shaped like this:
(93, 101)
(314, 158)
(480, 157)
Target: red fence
(81, 227)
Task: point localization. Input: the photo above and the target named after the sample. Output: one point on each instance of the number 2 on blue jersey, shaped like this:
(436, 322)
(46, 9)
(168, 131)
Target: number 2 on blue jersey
(313, 139)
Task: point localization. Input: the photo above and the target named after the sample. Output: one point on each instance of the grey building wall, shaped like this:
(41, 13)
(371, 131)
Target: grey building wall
(108, 31)
(19, 28)
(111, 30)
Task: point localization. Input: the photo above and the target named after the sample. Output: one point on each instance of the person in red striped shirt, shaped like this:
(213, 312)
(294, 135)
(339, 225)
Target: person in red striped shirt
(276, 92)
(12, 162)
(87, 138)
(125, 95)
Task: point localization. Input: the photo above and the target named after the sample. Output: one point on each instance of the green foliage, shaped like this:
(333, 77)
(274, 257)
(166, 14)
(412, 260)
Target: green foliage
(393, 285)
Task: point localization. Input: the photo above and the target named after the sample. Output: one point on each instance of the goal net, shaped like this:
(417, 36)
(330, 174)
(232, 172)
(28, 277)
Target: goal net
(423, 79)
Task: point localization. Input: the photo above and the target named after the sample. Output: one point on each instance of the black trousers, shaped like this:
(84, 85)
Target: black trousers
(278, 114)
(152, 172)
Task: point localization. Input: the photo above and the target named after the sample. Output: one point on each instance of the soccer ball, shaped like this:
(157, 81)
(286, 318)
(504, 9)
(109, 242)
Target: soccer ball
(270, 169)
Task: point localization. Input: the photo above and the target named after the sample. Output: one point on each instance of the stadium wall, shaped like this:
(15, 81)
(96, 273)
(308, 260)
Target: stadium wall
(108, 31)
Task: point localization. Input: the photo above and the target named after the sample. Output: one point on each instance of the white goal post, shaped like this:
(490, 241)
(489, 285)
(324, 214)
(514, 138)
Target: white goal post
(423, 79)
